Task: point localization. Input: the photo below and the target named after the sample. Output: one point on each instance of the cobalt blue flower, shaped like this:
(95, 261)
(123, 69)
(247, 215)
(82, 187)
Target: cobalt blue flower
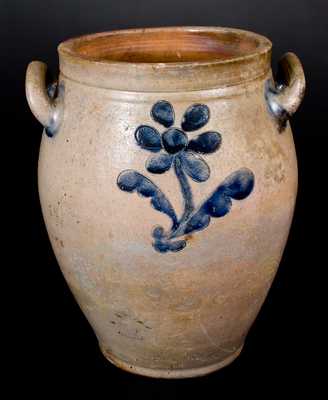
(173, 145)
(174, 148)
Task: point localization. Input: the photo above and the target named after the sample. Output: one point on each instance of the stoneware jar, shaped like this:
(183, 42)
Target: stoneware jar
(167, 179)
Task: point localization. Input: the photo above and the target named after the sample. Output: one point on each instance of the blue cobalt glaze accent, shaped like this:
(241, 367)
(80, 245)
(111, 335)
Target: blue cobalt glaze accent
(132, 181)
(54, 91)
(174, 140)
(185, 189)
(148, 138)
(279, 113)
(159, 163)
(163, 246)
(195, 117)
(195, 166)
(184, 156)
(163, 113)
(49, 131)
(205, 143)
(236, 186)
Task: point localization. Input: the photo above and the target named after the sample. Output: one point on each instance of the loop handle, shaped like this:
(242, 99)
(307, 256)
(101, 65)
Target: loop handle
(284, 97)
(47, 106)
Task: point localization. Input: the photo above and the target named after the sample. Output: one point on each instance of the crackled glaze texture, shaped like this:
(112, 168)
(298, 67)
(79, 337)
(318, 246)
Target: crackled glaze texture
(168, 181)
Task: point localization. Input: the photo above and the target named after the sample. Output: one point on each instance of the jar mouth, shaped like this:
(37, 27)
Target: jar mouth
(176, 49)
(166, 45)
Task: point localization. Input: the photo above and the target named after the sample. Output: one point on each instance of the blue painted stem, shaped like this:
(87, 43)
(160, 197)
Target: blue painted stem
(187, 197)
(185, 189)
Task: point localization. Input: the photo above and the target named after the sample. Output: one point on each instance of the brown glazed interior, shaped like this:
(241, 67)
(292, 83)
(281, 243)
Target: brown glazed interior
(188, 50)
(165, 46)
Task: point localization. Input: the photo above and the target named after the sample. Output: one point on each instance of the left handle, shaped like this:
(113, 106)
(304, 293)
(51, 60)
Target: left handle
(48, 110)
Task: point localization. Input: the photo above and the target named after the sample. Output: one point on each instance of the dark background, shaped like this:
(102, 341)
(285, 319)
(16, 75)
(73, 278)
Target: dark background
(53, 343)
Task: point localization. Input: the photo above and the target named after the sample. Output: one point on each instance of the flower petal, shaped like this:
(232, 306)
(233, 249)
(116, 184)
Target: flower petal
(195, 117)
(205, 143)
(159, 164)
(163, 113)
(195, 166)
(148, 138)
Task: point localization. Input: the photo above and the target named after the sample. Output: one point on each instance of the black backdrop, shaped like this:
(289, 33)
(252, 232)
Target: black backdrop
(53, 342)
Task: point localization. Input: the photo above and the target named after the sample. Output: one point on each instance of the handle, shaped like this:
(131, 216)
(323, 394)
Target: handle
(47, 106)
(284, 97)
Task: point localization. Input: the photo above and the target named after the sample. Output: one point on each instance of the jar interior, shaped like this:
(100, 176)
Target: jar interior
(165, 46)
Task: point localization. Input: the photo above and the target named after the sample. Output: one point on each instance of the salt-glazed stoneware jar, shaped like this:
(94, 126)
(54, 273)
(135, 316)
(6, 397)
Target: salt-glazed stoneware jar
(167, 178)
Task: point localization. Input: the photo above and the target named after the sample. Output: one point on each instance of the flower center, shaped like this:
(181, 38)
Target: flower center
(174, 140)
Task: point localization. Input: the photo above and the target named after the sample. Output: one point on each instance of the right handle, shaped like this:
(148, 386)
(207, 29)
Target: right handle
(285, 96)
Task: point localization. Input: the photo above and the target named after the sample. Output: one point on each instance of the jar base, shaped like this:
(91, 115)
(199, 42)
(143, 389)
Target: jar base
(170, 373)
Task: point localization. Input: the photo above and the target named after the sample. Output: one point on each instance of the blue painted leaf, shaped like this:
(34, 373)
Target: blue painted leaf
(163, 113)
(195, 166)
(195, 117)
(178, 245)
(205, 143)
(158, 232)
(129, 180)
(236, 186)
(159, 163)
(197, 222)
(219, 204)
(146, 188)
(163, 246)
(239, 184)
(132, 181)
(148, 138)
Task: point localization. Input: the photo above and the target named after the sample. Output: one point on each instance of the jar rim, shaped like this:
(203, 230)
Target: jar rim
(166, 59)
